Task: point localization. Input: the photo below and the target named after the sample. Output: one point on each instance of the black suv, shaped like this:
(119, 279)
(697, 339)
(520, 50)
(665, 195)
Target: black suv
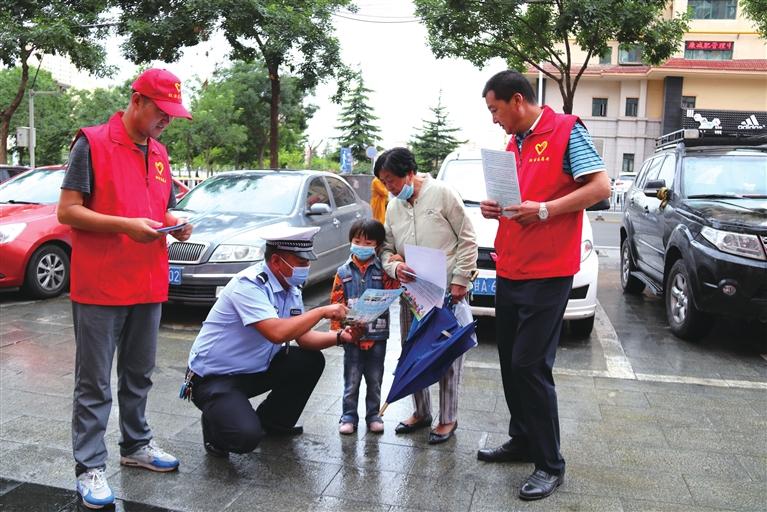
(694, 229)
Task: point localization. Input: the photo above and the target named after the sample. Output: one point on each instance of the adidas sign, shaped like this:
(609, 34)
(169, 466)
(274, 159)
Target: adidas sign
(750, 123)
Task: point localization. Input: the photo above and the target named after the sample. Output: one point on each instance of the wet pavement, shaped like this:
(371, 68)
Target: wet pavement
(648, 422)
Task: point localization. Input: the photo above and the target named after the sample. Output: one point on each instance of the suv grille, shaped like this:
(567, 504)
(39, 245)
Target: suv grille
(185, 252)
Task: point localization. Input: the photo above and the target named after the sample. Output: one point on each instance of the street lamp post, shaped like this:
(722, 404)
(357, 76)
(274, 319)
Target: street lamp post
(32, 135)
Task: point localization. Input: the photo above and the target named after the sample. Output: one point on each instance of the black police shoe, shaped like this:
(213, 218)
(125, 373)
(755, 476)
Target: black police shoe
(212, 449)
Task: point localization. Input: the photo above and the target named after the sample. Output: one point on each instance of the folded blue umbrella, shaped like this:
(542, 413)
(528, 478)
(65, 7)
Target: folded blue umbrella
(432, 345)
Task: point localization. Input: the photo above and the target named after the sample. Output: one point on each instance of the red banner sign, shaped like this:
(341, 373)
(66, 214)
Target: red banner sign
(708, 45)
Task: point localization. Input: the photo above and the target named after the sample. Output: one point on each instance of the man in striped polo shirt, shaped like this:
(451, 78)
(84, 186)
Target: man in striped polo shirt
(538, 247)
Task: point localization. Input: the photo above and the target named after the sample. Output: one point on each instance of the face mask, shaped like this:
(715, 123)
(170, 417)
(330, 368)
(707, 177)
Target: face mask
(299, 275)
(406, 192)
(363, 252)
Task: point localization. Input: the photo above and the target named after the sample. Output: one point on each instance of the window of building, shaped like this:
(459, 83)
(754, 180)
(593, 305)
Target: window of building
(688, 102)
(632, 107)
(630, 55)
(599, 107)
(606, 57)
(708, 54)
(628, 162)
(712, 9)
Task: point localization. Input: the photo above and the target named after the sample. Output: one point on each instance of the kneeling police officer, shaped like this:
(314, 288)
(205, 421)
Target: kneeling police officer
(239, 352)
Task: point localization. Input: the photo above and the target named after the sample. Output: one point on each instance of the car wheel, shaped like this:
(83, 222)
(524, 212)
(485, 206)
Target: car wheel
(685, 320)
(582, 328)
(629, 283)
(47, 272)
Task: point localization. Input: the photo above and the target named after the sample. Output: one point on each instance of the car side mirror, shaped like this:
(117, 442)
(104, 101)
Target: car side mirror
(652, 187)
(318, 209)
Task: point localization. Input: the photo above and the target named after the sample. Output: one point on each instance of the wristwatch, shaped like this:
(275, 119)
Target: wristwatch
(338, 338)
(543, 213)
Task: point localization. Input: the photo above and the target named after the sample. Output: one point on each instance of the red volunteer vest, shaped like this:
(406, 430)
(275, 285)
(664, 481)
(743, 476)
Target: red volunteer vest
(543, 249)
(110, 269)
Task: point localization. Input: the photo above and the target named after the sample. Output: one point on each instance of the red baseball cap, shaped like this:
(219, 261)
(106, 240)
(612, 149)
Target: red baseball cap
(164, 89)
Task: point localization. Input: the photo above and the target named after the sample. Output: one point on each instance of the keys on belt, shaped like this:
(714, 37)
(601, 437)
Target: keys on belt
(185, 393)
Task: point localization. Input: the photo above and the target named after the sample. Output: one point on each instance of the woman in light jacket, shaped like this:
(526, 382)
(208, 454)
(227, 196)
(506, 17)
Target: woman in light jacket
(427, 213)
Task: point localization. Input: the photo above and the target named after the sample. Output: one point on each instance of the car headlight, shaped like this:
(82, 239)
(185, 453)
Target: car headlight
(9, 232)
(237, 253)
(741, 244)
(586, 248)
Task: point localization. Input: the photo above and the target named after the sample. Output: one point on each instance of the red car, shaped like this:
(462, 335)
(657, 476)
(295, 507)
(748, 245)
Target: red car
(34, 247)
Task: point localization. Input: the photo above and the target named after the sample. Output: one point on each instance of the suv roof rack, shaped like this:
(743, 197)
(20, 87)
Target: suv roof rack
(699, 137)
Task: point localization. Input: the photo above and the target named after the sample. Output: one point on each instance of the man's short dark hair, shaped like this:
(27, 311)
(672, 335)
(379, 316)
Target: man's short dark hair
(370, 229)
(398, 161)
(508, 83)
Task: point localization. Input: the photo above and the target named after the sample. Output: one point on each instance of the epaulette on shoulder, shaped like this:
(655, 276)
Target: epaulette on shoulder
(262, 278)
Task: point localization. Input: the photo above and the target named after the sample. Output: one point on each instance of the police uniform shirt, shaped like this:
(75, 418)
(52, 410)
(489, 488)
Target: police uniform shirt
(228, 343)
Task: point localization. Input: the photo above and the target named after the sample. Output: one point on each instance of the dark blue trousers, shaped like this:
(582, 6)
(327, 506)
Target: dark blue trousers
(528, 325)
(233, 424)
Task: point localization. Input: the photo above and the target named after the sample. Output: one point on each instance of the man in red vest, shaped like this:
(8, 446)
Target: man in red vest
(538, 247)
(116, 195)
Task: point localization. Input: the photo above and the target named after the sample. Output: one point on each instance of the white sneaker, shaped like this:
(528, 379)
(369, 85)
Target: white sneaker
(94, 489)
(151, 457)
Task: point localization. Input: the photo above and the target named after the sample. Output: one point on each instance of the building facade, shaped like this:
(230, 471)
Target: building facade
(720, 65)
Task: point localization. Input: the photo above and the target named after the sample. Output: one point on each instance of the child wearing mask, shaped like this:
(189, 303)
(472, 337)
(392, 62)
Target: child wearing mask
(361, 271)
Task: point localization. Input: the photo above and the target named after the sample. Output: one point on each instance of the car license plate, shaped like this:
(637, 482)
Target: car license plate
(484, 286)
(174, 275)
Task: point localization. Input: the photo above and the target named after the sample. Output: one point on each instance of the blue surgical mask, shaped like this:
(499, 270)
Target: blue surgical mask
(406, 192)
(299, 275)
(363, 252)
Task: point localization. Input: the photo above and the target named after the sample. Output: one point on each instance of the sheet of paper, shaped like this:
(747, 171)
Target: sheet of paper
(501, 181)
(370, 305)
(428, 288)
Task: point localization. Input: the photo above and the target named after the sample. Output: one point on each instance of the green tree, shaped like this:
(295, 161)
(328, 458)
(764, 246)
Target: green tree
(757, 11)
(435, 141)
(53, 121)
(33, 27)
(357, 118)
(97, 106)
(293, 35)
(250, 84)
(213, 136)
(534, 33)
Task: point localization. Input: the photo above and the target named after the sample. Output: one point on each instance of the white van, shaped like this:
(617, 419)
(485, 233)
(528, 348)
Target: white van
(463, 170)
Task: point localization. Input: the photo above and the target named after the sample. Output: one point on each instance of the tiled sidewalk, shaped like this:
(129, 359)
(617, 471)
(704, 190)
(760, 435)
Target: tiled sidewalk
(629, 445)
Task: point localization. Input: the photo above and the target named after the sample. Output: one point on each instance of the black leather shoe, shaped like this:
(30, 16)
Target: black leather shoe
(404, 428)
(435, 438)
(212, 449)
(275, 431)
(510, 451)
(540, 484)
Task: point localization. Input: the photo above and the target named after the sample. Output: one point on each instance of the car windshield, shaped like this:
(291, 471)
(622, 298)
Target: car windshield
(38, 186)
(467, 178)
(264, 194)
(725, 176)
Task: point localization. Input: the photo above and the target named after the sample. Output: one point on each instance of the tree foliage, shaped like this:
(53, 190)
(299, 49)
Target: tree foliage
(293, 35)
(250, 84)
(435, 141)
(527, 33)
(756, 10)
(53, 122)
(214, 135)
(357, 128)
(54, 27)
